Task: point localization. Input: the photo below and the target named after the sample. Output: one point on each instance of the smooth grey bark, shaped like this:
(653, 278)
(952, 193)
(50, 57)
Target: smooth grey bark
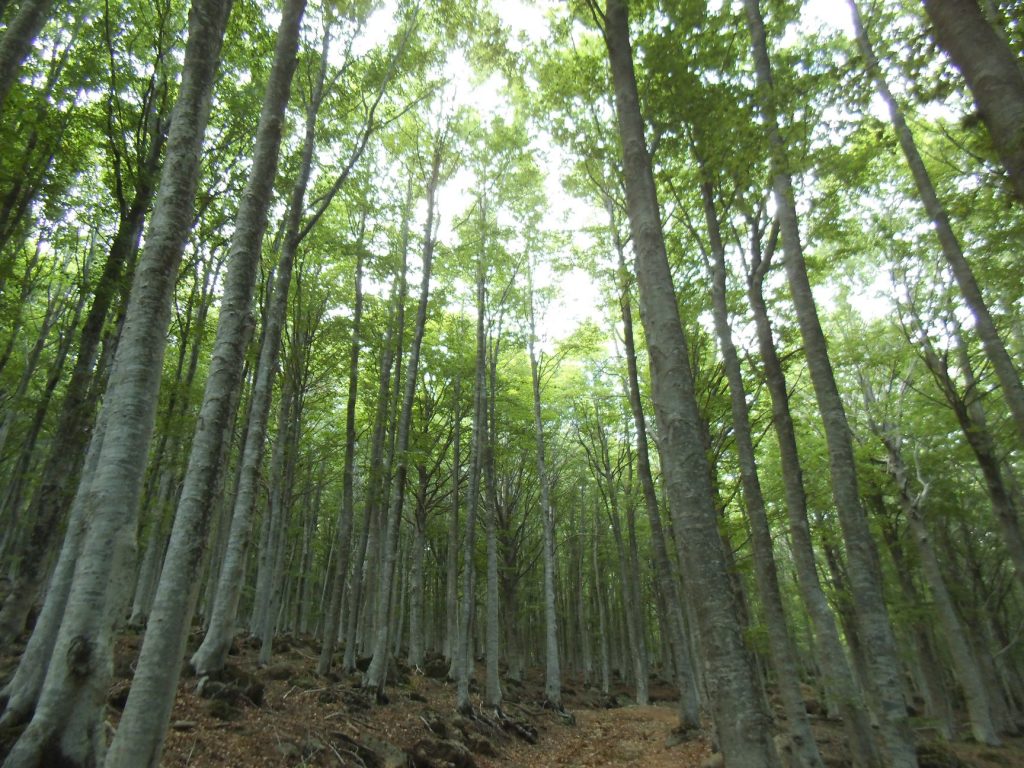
(742, 723)
(597, 595)
(804, 750)
(965, 664)
(22, 692)
(17, 40)
(338, 574)
(451, 586)
(689, 705)
(552, 666)
(492, 628)
(883, 664)
(840, 685)
(212, 653)
(376, 674)
(68, 724)
(416, 577)
(993, 75)
(952, 250)
(462, 662)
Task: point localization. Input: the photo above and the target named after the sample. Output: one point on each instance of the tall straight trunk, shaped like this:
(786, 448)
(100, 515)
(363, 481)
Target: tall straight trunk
(689, 706)
(965, 664)
(840, 685)
(68, 725)
(462, 662)
(884, 669)
(738, 709)
(139, 738)
(336, 578)
(212, 653)
(17, 41)
(992, 72)
(376, 674)
(552, 668)
(995, 349)
(451, 587)
(492, 678)
(597, 594)
(783, 655)
(417, 631)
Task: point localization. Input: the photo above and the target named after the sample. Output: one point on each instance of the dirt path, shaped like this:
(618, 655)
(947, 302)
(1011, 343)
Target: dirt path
(629, 736)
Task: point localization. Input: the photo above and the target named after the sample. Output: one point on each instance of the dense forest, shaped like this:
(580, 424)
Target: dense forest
(621, 341)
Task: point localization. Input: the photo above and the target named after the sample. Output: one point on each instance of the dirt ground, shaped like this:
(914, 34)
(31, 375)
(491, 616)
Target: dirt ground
(284, 715)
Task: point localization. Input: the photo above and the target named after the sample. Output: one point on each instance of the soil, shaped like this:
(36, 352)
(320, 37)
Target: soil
(284, 715)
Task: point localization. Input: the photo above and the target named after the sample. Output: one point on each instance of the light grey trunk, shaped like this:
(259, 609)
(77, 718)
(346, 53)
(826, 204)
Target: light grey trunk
(689, 706)
(552, 667)
(22, 692)
(139, 738)
(68, 724)
(738, 709)
(212, 653)
(783, 656)
(419, 543)
(995, 349)
(337, 577)
(451, 593)
(840, 685)
(882, 655)
(462, 662)
(376, 674)
(492, 679)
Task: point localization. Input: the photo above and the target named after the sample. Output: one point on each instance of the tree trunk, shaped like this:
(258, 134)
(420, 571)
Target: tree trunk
(743, 724)
(840, 685)
(992, 72)
(68, 726)
(865, 569)
(552, 669)
(783, 657)
(376, 674)
(212, 653)
(336, 578)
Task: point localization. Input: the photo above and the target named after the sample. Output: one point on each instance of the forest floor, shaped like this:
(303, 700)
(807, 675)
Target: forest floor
(284, 715)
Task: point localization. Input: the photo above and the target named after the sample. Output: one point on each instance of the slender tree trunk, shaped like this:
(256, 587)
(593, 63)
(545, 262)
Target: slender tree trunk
(212, 653)
(68, 725)
(787, 677)
(865, 569)
(376, 674)
(492, 678)
(451, 594)
(343, 544)
(741, 720)
(462, 663)
(552, 668)
(992, 72)
(840, 685)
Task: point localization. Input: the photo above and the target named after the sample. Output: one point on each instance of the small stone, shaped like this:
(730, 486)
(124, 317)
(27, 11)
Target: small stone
(183, 725)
